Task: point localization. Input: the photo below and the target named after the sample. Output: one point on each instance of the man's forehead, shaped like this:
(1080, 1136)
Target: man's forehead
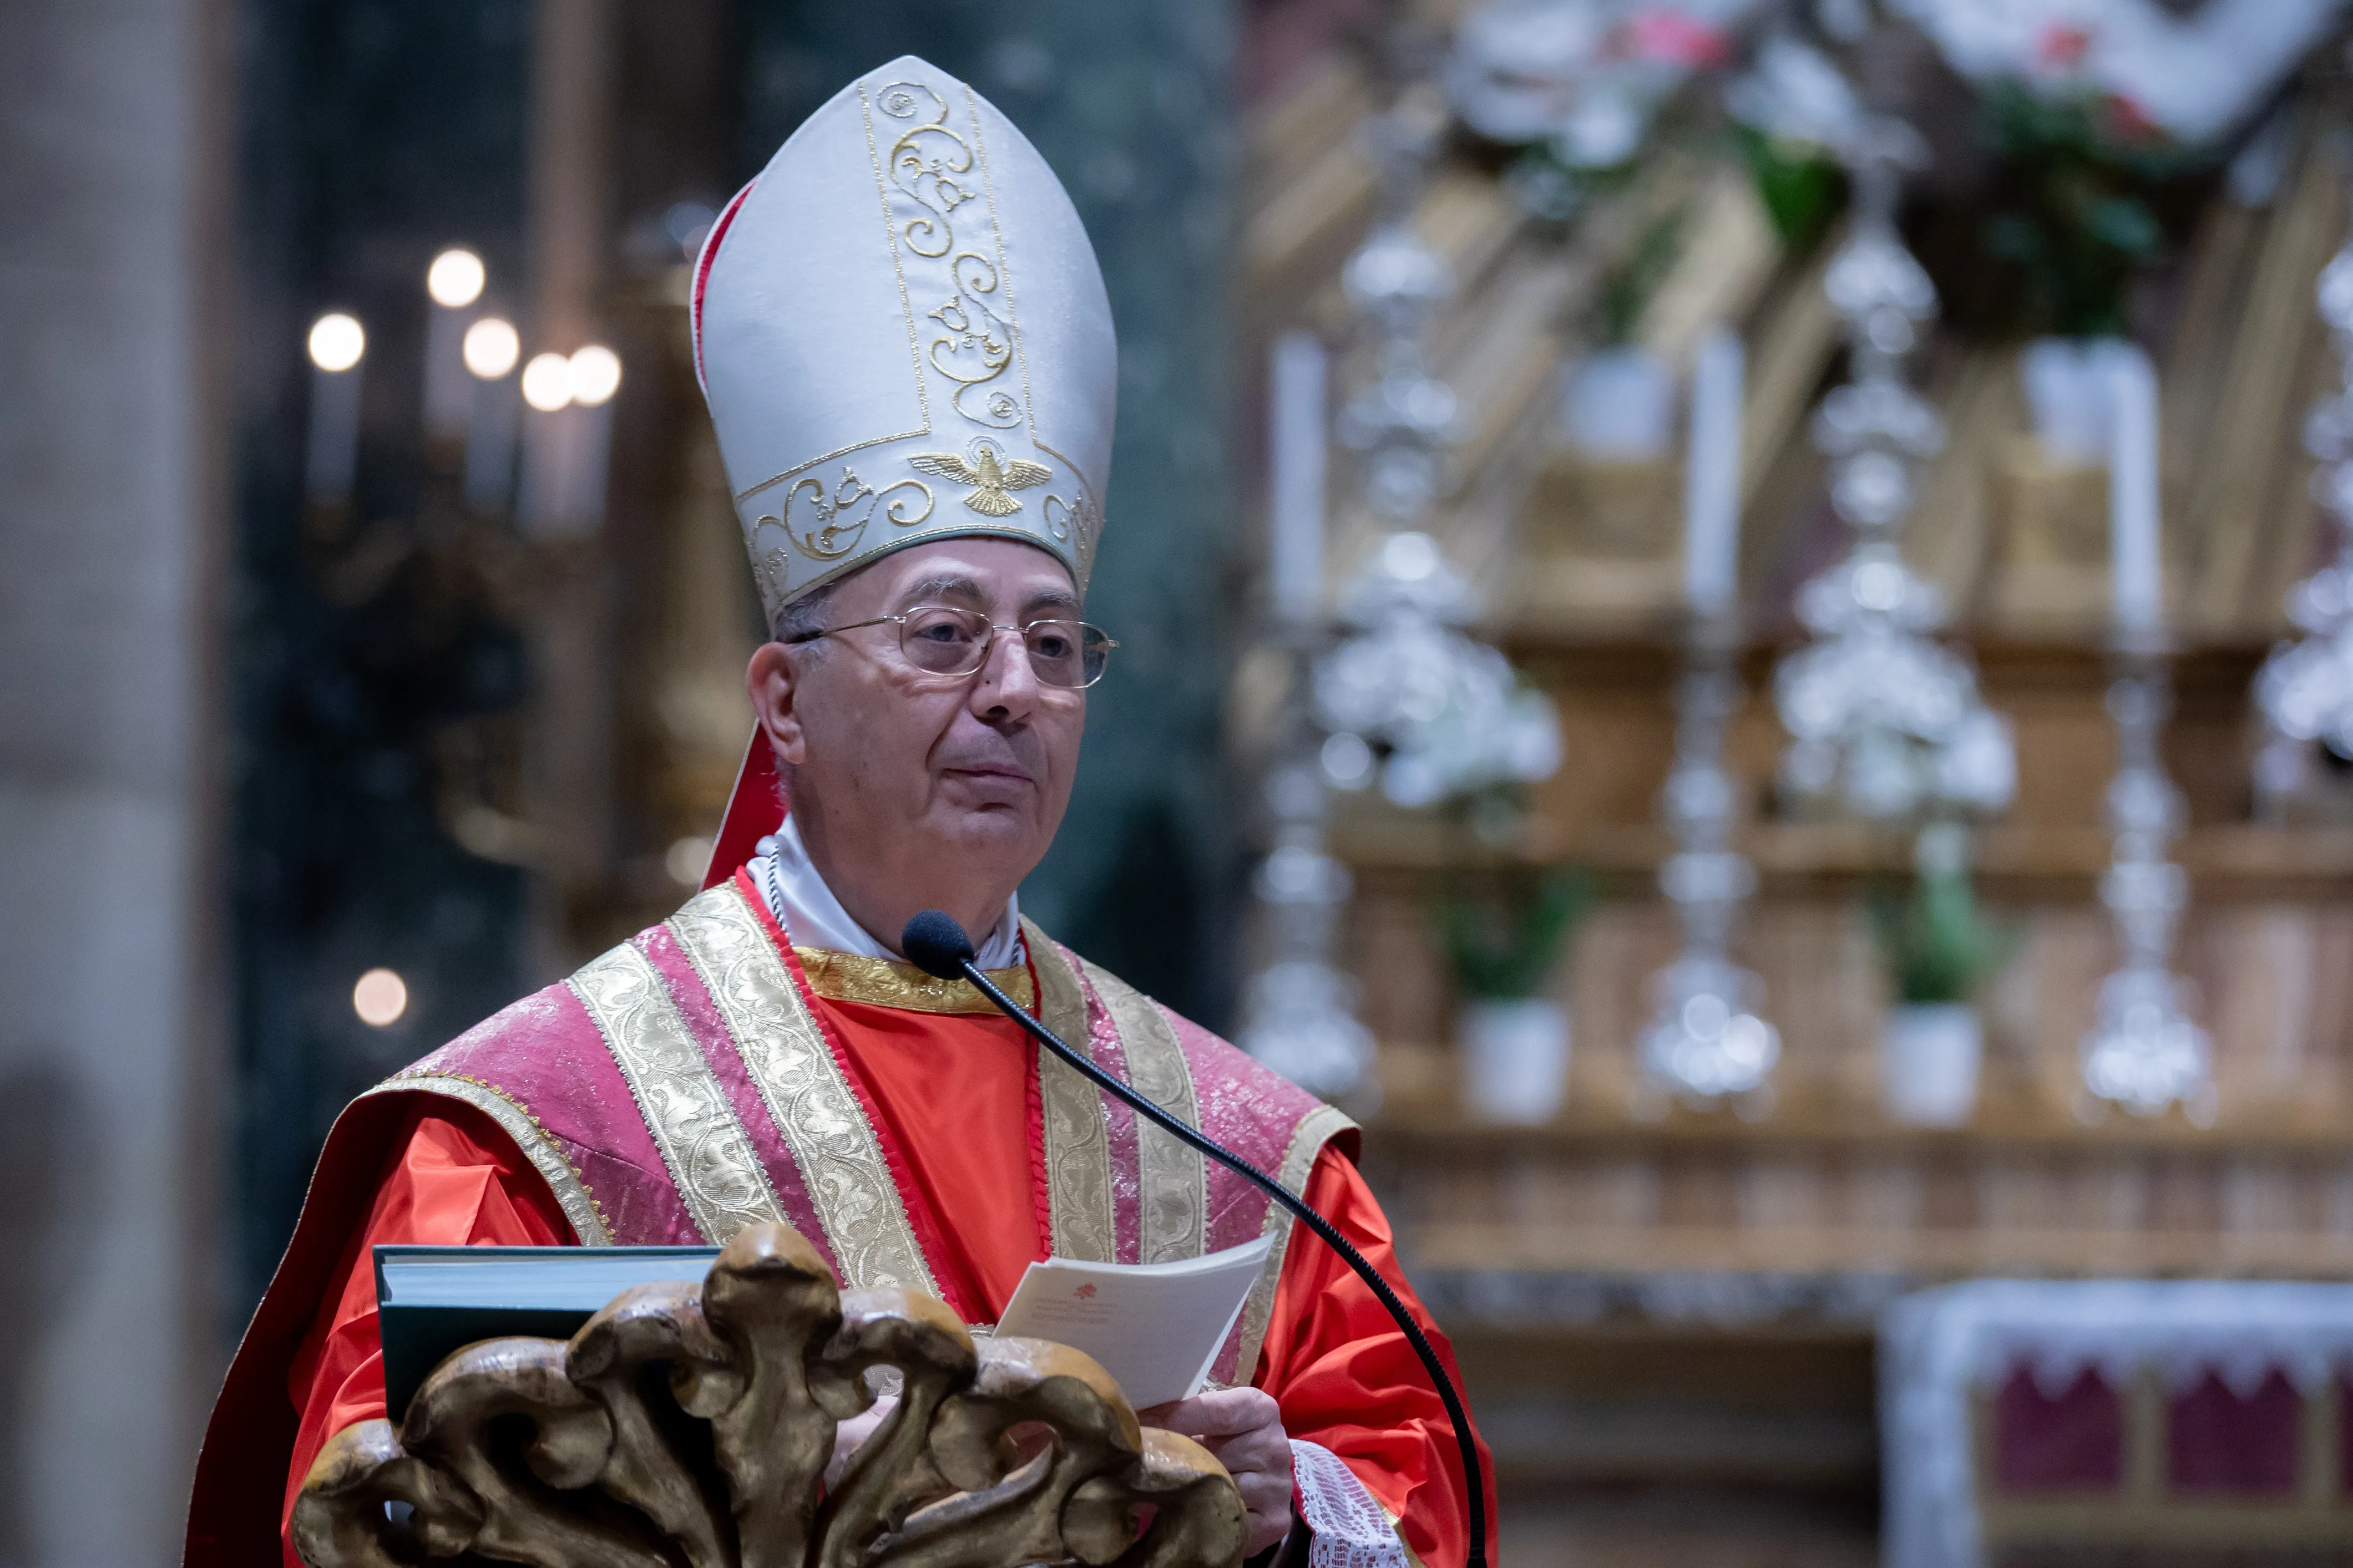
(988, 572)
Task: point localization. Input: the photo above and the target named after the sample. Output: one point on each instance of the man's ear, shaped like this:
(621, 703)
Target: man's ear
(776, 695)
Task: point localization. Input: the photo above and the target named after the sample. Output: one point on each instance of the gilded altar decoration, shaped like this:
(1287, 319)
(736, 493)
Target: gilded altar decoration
(905, 294)
(694, 1423)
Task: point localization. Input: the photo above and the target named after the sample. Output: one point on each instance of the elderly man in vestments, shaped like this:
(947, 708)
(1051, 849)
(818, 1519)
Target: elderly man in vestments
(908, 356)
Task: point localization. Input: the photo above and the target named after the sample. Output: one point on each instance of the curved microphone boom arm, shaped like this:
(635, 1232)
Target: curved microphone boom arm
(938, 946)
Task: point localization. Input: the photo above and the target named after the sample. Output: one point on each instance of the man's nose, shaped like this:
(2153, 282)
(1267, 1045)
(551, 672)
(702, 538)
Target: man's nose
(1007, 687)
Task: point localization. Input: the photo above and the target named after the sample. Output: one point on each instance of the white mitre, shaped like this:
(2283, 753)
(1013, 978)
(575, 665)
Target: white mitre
(902, 335)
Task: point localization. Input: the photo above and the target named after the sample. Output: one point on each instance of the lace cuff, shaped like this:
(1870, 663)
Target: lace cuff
(1351, 1529)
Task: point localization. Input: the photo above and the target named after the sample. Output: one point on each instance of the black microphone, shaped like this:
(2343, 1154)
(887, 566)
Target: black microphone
(935, 944)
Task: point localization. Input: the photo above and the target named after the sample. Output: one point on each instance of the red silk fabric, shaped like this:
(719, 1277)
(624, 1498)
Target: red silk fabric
(952, 1092)
(952, 1097)
(458, 1181)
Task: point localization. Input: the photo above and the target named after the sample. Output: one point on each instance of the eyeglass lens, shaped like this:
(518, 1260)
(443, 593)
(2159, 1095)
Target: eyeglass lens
(947, 641)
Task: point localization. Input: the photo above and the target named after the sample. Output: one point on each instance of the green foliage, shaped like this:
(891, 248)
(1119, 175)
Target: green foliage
(1616, 312)
(1936, 946)
(1503, 951)
(1800, 184)
(2082, 174)
(1557, 192)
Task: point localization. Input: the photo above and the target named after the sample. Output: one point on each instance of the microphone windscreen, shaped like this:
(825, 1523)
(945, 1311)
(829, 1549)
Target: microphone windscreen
(935, 944)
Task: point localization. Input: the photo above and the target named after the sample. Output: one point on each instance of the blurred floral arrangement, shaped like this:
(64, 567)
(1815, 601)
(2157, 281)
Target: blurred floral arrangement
(1936, 945)
(1504, 950)
(2076, 210)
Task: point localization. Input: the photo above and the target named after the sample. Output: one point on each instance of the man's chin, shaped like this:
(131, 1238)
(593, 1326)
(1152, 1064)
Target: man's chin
(993, 827)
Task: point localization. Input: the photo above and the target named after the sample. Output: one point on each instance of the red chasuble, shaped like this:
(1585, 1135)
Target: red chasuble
(706, 1075)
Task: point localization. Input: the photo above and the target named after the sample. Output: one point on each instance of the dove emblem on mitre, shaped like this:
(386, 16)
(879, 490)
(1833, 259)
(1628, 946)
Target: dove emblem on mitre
(989, 477)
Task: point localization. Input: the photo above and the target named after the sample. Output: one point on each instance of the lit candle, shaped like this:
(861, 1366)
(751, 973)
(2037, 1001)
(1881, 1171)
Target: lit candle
(596, 377)
(541, 510)
(1711, 476)
(566, 441)
(1295, 567)
(491, 348)
(337, 344)
(454, 282)
(2133, 504)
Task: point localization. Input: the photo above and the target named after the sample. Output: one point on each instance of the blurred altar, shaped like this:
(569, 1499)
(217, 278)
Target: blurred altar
(1737, 627)
(1902, 445)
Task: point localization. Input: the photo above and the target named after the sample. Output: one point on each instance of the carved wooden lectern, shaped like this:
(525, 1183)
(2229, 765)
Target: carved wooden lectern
(690, 1425)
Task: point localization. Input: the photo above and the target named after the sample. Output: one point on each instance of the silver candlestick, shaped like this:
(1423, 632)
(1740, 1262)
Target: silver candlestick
(1405, 698)
(2144, 1053)
(1409, 698)
(1884, 720)
(2304, 690)
(1706, 1044)
(1300, 1012)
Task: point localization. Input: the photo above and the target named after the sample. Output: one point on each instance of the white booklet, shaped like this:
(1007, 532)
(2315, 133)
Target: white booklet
(1156, 1327)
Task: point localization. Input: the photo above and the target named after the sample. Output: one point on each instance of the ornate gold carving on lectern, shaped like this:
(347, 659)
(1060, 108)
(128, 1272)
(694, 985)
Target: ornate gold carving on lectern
(693, 1424)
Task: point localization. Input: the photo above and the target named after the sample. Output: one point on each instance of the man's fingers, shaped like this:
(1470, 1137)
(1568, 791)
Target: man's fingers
(1261, 1449)
(1223, 1413)
(1243, 1428)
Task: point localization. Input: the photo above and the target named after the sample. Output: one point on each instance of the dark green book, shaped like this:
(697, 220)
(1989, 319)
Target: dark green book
(431, 1300)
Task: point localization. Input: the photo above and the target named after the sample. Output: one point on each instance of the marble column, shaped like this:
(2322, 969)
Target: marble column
(113, 163)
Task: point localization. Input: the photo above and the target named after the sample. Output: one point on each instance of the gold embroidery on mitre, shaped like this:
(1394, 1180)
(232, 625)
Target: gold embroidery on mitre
(990, 476)
(880, 983)
(1082, 517)
(927, 166)
(925, 147)
(825, 523)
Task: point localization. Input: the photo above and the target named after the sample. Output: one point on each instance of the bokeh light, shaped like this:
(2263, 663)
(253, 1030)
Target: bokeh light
(595, 375)
(456, 277)
(547, 382)
(380, 997)
(491, 348)
(337, 342)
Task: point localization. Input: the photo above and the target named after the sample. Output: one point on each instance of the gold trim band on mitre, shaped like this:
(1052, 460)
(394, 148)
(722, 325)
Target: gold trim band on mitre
(884, 983)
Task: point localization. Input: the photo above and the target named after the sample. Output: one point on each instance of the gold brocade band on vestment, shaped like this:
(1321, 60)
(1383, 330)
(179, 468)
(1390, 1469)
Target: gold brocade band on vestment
(880, 983)
(811, 1102)
(1172, 1191)
(1318, 1128)
(708, 1152)
(1077, 1139)
(693, 1124)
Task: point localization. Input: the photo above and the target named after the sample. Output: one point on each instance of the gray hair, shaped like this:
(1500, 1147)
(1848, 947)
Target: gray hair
(804, 617)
